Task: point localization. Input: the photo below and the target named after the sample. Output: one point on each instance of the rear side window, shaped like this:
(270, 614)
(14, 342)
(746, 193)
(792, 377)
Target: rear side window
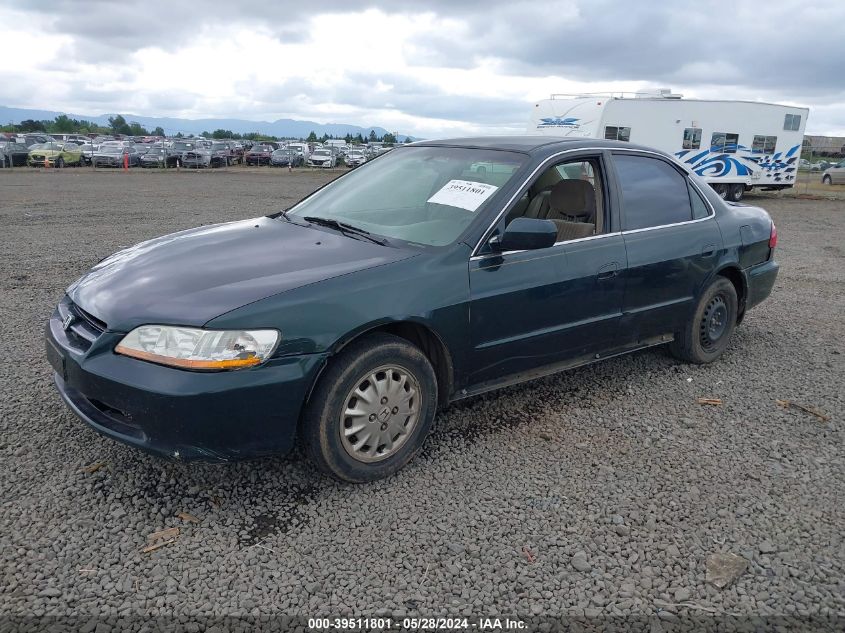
(653, 192)
(699, 207)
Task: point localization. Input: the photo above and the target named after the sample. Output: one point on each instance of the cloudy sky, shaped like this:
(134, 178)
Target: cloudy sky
(434, 68)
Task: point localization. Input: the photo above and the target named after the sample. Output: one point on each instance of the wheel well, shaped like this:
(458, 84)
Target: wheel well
(430, 345)
(734, 275)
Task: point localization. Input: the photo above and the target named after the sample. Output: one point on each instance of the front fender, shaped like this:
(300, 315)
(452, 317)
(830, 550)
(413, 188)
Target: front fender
(430, 289)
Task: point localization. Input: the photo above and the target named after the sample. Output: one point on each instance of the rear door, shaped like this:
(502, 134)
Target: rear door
(672, 243)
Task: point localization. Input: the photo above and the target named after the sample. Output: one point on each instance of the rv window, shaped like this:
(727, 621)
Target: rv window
(764, 144)
(616, 133)
(792, 122)
(724, 142)
(653, 192)
(692, 138)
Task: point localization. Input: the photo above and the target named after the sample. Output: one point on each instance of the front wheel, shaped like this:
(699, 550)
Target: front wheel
(736, 192)
(707, 335)
(371, 409)
(60, 162)
(827, 180)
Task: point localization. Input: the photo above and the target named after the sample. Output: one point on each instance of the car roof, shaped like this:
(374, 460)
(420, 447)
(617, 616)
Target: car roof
(528, 144)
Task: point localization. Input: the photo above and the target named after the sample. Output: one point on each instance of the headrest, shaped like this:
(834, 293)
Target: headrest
(573, 197)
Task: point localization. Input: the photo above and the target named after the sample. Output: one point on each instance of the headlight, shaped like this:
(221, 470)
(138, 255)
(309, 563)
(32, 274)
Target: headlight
(195, 348)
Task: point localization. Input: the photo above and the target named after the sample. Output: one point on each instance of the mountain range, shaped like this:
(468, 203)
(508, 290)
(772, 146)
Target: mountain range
(281, 127)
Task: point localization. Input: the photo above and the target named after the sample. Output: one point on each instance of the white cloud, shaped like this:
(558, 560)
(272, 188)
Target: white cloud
(453, 68)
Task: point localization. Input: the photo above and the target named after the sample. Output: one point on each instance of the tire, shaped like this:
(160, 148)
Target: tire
(735, 192)
(325, 429)
(827, 180)
(60, 163)
(721, 189)
(708, 333)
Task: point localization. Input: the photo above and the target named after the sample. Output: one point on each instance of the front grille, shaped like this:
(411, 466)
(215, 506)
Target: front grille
(84, 328)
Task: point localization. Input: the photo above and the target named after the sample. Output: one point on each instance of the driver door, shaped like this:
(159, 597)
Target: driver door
(535, 308)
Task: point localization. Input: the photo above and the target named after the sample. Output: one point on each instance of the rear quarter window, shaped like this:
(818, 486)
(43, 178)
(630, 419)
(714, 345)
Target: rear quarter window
(653, 192)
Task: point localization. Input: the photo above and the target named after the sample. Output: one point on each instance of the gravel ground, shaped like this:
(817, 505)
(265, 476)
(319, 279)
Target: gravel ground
(598, 491)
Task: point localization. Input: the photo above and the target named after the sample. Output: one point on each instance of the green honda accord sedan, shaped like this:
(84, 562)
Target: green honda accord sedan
(418, 279)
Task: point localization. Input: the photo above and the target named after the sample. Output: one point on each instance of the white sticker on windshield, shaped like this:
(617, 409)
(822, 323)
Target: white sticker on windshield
(463, 194)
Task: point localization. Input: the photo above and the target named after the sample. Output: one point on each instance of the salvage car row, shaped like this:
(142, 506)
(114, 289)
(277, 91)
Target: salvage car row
(44, 151)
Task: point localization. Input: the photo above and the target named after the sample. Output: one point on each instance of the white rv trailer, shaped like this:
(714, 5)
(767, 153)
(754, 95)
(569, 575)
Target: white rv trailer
(734, 145)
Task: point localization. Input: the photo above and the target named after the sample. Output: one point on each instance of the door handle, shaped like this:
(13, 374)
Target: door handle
(608, 271)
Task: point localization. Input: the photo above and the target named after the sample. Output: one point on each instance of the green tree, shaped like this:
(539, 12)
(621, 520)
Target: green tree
(135, 129)
(359, 138)
(312, 137)
(159, 131)
(219, 133)
(63, 123)
(372, 137)
(407, 139)
(30, 125)
(119, 125)
(389, 138)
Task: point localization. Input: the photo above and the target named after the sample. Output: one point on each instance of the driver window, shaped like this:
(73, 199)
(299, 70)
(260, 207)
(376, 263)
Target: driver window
(570, 195)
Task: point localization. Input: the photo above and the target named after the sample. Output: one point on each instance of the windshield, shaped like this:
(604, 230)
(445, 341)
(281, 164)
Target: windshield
(183, 146)
(322, 152)
(424, 195)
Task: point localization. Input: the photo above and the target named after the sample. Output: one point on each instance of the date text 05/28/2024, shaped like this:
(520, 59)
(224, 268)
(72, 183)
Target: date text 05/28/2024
(416, 624)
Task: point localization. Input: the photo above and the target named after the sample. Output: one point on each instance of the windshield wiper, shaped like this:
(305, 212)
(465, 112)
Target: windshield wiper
(343, 227)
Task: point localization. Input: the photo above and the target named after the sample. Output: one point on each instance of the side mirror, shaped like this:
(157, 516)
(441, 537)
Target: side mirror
(525, 234)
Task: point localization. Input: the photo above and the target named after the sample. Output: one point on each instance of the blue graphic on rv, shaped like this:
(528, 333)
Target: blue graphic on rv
(559, 122)
(778, 167)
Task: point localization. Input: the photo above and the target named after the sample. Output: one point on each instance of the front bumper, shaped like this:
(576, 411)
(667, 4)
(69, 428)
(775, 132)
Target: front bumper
(184, 415)
(761, 280)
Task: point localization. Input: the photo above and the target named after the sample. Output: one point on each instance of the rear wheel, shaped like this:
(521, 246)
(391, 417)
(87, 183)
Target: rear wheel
(721, 189)
(60, 162)
(735, 192)
(708, 333)
(827, 180)
(371, 409)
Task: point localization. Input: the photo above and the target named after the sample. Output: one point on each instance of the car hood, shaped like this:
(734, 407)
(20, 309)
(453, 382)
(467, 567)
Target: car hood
(191, 277)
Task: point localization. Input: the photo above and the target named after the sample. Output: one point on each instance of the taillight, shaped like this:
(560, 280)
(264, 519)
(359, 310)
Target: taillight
(773, 236)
